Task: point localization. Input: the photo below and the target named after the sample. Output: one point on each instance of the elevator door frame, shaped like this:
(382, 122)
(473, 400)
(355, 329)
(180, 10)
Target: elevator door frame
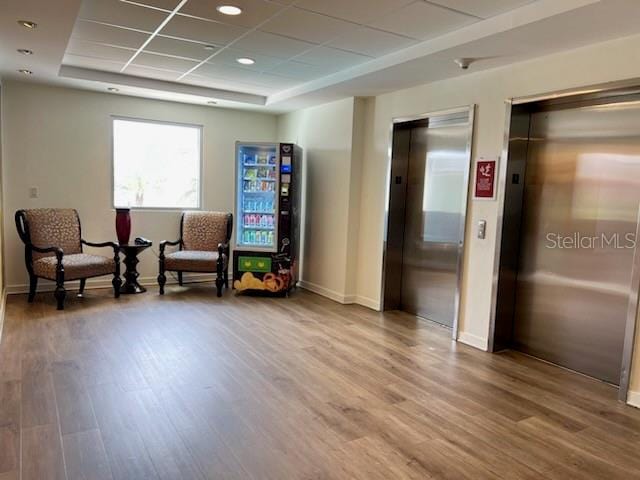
(470, 111)
(511, 154)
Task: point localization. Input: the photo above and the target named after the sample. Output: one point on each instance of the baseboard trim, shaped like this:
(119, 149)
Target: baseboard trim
(105, 282)
(325, 292)
(474, 341)
(3, 309)
(633, 399)
(368, 302)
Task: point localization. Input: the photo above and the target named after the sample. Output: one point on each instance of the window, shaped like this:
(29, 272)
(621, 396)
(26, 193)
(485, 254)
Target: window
(156, 165)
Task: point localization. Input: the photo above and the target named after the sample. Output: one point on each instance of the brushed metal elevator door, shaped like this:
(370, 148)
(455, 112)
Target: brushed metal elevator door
(434, 219)
(581, 197)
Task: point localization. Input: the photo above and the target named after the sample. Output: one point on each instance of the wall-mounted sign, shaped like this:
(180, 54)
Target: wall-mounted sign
(485, 186)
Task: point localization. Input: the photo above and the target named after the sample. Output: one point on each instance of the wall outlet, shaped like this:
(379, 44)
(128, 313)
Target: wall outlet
(33, 192)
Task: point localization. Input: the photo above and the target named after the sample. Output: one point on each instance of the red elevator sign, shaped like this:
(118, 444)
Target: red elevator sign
(485, 178)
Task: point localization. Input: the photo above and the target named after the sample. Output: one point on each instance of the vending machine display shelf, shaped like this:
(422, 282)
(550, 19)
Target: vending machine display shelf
(257, 227)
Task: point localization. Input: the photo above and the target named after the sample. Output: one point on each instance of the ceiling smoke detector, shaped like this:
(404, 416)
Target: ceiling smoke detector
(25, 51)
(24, 71)
(28, 24)
(113, 89)
(464, 63)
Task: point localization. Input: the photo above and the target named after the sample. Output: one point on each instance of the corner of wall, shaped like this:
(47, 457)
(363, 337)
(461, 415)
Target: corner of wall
(633, 399)
(475, 341)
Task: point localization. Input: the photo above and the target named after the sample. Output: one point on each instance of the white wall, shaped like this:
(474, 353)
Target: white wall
(326, 133)
(610, 61)
(59, 140)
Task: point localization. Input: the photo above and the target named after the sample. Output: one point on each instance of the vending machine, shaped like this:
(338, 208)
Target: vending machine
(267, 216)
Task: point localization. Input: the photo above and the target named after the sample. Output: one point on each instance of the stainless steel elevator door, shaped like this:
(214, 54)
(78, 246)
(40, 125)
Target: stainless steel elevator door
(581, 197)
(437, 182)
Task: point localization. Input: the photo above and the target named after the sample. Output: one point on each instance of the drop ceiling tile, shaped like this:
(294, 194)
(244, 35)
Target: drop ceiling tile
(254, 12)
(483, 8)
(178, 48)
(229, 56)
(155, 73)
(308, 26)
(368, 41)
(299, 70)
(226, 72)
(123, 14)
(272, 45)
(331, 59)
(163, 62)
(232, 86)
(277, 82)
(162, 4)
(97, 32)
(98, 50)
(92, 63)
(423, 20)
(202, 30)
(359, 11)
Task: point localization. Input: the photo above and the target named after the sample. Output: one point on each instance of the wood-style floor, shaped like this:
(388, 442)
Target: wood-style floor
(189, 386)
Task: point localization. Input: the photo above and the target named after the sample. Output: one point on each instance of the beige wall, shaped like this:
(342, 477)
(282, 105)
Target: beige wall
(59, 140)
(326, 133)
(610, 61)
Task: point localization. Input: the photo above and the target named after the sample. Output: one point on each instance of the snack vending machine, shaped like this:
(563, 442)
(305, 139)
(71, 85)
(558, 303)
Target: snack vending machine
(267, 218)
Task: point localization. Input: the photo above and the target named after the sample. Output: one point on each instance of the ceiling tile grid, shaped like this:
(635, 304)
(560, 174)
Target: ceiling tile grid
(292, 42)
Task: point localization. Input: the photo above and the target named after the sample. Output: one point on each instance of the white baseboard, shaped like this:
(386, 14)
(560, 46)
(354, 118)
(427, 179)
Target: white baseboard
(347, 299)
(325, 292)
(368, 302)
(3, 304)
(474, 341)
(105, 282)
(633, 399)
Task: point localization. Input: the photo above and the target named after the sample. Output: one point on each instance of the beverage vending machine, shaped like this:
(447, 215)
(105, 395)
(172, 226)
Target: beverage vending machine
(267, 218)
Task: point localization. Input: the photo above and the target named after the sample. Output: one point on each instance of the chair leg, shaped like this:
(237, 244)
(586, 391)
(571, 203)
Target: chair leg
(33, 284)
(60, 294)
(117, 283)
(219, 284)
(226, 278)
(83, 283)
(180, 278)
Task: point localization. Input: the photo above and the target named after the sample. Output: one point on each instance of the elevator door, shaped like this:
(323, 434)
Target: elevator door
(580, 210)
(435, 204)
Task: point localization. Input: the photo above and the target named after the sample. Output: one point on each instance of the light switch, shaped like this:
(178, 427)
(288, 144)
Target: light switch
(482, 229)
(33, 192)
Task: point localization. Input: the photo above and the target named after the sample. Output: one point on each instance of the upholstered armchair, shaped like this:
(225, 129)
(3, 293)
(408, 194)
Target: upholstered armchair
(53, 250)
(203, 247)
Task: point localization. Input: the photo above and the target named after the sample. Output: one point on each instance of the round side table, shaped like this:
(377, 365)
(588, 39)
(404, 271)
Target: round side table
(131, 252)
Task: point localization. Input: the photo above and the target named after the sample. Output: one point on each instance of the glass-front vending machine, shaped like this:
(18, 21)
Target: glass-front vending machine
(267, 218)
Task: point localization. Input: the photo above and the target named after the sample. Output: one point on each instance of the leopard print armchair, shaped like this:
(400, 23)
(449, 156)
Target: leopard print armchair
(53, 250)
(203, 247)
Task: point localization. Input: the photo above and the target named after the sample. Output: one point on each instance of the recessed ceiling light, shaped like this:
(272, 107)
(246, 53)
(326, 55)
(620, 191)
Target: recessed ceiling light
(229, 9)
(212, 102)
(246, 61)
(209, 47)
(28, 24)
(113, 89)
(25, 71)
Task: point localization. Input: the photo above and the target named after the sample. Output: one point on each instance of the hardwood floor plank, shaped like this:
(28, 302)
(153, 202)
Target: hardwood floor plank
(9, 426)
(74, 405)
(85, 457)
(42, 453)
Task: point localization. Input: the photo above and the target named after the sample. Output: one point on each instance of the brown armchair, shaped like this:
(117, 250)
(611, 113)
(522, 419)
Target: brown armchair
(203, 247)
(53, 250)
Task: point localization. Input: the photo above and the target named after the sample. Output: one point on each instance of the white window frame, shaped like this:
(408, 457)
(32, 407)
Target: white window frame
(200, 128)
